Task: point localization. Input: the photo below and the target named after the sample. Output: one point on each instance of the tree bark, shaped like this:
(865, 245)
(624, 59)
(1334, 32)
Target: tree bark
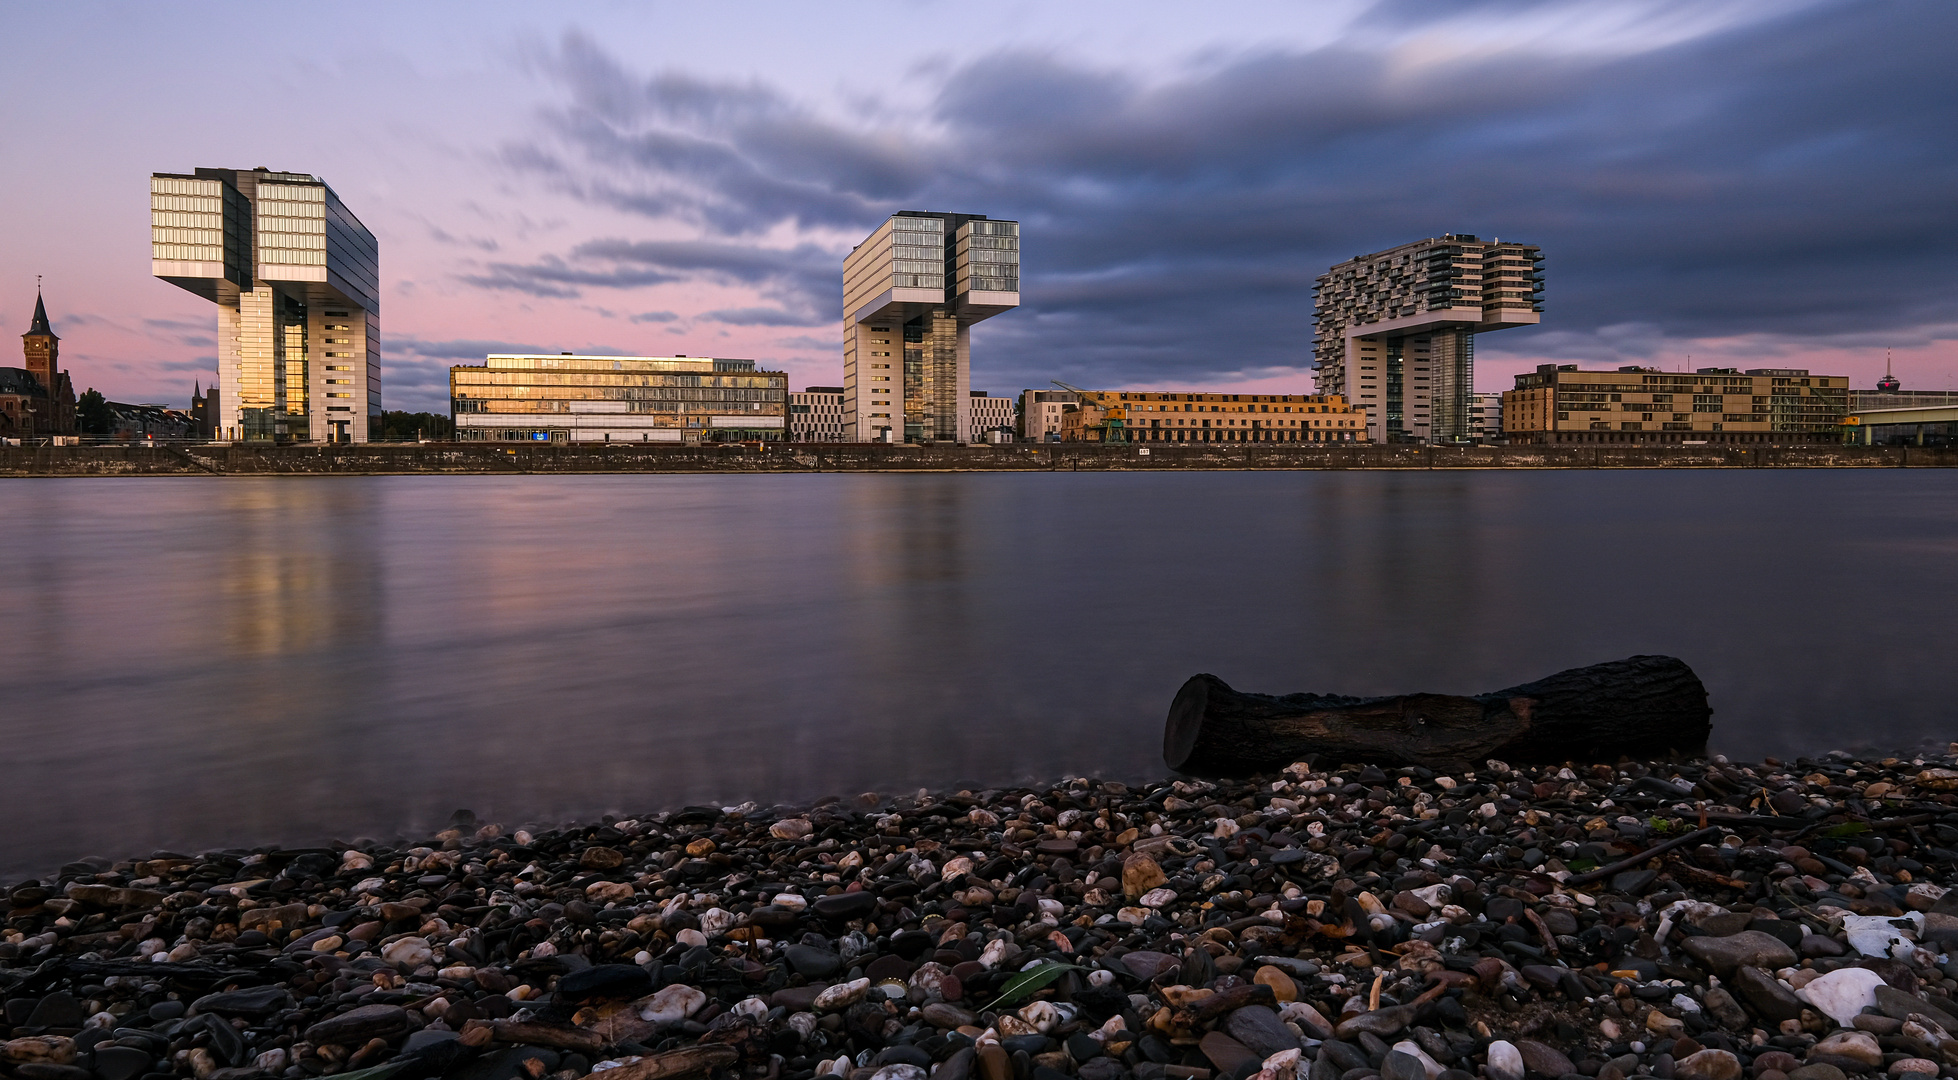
(1643, 707)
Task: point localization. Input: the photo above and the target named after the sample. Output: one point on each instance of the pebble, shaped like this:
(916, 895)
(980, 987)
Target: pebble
(1316, 924)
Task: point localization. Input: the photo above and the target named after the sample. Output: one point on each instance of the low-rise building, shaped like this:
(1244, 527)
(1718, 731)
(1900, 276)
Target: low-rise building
(1152, 416)
(816, 415)
(37, 399)
(1041, 411)
(1485, 418)
(989, 417)
(574, 398)
(1557, 403)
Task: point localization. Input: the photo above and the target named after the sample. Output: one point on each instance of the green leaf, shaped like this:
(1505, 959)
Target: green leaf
(1852, 828)
(1581, 865)
(1031, 981)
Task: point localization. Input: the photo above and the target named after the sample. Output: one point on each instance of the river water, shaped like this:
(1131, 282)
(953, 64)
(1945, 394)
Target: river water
(200, 662)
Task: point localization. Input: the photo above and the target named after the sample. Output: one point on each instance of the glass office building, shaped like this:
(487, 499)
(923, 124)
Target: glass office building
(911, 292)
(566, 397)
(296, 278)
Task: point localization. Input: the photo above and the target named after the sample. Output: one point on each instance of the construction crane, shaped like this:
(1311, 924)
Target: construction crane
(1119, 428)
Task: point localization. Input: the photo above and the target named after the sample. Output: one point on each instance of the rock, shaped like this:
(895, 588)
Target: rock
(1707, 1065)
(1918, 1068)
(1815, 945)
(1381, 1023)
(121, 1063)
(57, 1010)
(1722, 1007)
(1282, 986)
(1140, 874)
(842, 996)
(811, 962)
(1766, 995)
(360, 1024)
(1146, 965)
(1817, 1072)
(1544, 1060)
(1402, 1066)
(605, 981)
(845, 906)
(1505, 1061)
(1856, 1046)
(902, 1070)
(672, 1004)
(943, 1016)
(1430, 1068)
(1749, 947)
(408, 953)
(994, 1064)
(40, 1049)
(1842, 993)
(1260, 1030)
(1226, 1053)
(1901, 1006)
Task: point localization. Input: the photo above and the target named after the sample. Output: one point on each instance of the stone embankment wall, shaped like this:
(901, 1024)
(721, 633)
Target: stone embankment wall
(843, 457)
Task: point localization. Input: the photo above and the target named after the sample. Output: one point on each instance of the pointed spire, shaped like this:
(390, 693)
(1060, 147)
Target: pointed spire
(40, 325)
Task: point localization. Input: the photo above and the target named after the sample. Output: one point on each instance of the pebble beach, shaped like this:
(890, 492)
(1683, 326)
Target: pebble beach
(1707, 920)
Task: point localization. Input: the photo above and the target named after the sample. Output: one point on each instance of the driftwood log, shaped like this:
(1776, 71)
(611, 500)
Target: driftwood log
(1641, 707)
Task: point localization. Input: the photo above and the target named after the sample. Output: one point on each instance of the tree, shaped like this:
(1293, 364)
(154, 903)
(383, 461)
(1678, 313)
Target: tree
(93, 415)
(407, 426)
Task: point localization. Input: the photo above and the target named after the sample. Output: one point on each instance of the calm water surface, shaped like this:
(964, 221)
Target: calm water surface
(213, 662)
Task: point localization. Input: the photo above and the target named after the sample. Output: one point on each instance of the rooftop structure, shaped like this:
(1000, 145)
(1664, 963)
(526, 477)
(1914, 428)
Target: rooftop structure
(912, 291)
(37, 398)
(296, 279)
(1395, 331)
(570, 397)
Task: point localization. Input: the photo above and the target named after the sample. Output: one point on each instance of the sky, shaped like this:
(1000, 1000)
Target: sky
(1713, 183)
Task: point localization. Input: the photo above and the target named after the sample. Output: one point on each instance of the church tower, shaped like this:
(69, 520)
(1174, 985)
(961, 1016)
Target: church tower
(42, 347)
(42, 350)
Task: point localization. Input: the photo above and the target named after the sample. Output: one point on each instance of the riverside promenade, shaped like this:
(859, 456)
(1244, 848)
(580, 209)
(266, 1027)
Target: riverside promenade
(509, 459)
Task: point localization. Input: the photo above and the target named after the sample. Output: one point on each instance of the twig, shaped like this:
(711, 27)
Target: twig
(1648, 854)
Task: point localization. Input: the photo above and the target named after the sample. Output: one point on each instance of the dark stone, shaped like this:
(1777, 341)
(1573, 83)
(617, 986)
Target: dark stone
(1081, 1048)
(606, 982)
(43, 1071)
(256, 1001)
(796, 998)
(57, 1010)
(1749, 947)
(1765, 995)
(1101, 1068)
(1633, 882)
(1543, 1060)
(811, 962)
(885, 968)
(842, 907)
(1789, 931)
(1344, 1055)
(956, 1067)
(901, 1054)
(425, 1038)
(224, 1041)
(1402, 1066)
(1260, 1030)
(1895, 1003)
(1226, 1053)
(511, 1064)
(121, 1063)
(361, 1024)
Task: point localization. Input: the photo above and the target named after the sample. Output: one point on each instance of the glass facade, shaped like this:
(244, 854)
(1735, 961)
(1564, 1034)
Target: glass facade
(988, 256)
(296, 278)
(562, 398)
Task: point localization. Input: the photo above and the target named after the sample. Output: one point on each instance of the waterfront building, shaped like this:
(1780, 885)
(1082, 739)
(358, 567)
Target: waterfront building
(1897, 398)
(912, 291)
(37, 398)
(816, 415)
(568, 397)
(1394, 332)
(204, 410)
(989, 417)
(1559, 404)
(1485, 418)
(1154, 416)
(1041, 412)
(296, 280)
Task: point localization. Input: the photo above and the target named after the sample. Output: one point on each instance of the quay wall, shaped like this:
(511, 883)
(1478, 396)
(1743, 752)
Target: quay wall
(488, 459)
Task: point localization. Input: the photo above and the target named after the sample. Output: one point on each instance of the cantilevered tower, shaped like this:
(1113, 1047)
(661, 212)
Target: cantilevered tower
(296, 278)
(1395, 331)
(911, 292)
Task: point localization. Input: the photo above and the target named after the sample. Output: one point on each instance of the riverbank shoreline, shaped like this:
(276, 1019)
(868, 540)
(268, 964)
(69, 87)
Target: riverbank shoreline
(1700, 921)
(605, 458)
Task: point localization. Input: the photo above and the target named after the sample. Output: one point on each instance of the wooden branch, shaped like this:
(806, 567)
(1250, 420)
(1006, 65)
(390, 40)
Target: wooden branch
(1645, 707)
(1643, 857)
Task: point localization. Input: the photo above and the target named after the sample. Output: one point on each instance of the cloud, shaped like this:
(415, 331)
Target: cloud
(654, 316)
(1752, 172)
(758, 316)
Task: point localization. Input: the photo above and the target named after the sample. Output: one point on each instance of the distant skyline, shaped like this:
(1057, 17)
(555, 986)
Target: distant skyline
(1747, 183)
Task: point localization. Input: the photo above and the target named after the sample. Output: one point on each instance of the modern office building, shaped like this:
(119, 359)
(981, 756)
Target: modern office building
(1152, 416)
(988, 417)
(1041, 412)
(816, 415)
(37, 399)
(569, 397)
(1394, 332)
(911, 292)
(296, 278)
(1559, 404)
